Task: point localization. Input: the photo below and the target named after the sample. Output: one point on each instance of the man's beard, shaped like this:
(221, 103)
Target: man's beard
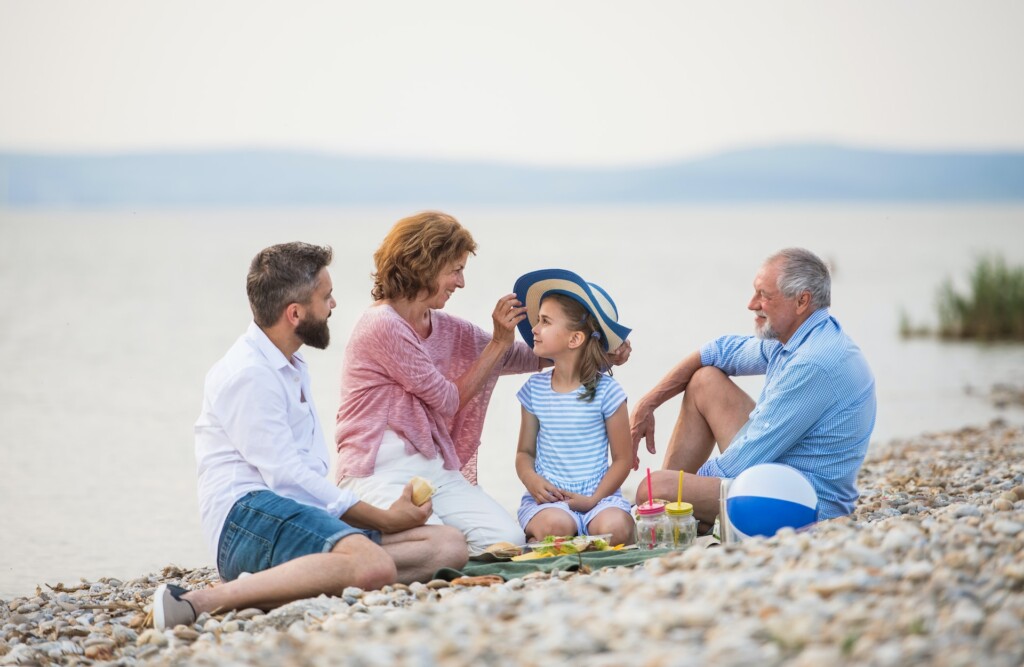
(314, 332)
(765, 331)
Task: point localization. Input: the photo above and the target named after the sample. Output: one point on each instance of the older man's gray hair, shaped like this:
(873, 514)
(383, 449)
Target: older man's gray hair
(803, 271)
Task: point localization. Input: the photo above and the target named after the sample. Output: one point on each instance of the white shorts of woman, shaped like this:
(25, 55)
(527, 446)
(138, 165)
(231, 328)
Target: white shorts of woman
(528, 508)
(456, 502)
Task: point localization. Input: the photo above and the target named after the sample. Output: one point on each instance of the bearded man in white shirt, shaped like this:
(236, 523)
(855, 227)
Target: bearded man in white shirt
(266, 506)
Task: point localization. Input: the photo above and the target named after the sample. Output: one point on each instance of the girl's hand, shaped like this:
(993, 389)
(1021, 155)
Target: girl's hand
(508, 313)
(619, 355)
(544, 491)
(580, 503)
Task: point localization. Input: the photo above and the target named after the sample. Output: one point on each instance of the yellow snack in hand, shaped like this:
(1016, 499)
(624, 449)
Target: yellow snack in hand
(421, 490)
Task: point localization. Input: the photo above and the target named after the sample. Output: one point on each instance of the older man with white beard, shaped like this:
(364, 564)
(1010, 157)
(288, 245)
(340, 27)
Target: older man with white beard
(815, 413)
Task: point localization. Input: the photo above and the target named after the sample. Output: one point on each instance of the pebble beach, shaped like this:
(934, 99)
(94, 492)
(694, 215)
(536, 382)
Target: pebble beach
(928, 570)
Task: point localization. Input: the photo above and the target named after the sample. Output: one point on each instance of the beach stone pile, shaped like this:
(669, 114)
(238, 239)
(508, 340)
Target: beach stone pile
(1002, 395)
(1006, 395)
(928, 570)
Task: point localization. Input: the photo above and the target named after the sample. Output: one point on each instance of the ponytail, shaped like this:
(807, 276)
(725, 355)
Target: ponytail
(592, 362)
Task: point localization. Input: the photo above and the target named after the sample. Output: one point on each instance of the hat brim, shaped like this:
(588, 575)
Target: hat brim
(532, 287)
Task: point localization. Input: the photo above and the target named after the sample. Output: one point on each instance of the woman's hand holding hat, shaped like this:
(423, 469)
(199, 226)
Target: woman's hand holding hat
(508, 313)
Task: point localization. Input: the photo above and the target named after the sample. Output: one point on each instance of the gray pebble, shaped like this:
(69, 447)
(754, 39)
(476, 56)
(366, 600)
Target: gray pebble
(1007, 527)
(965, 511)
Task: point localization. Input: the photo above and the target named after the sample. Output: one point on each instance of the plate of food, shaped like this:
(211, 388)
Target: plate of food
(554, 545)
(502, 550)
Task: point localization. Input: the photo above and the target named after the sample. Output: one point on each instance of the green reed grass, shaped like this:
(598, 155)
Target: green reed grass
(993, 307)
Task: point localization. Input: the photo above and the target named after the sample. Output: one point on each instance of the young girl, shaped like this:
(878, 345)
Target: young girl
(573, 415)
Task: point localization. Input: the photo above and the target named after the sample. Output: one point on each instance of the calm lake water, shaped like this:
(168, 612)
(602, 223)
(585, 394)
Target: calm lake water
(113, 318)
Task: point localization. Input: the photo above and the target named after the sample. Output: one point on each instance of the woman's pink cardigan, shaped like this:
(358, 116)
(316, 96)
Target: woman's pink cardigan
(393, 379)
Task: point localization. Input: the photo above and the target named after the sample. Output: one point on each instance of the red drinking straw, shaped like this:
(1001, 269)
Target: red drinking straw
(650, 503)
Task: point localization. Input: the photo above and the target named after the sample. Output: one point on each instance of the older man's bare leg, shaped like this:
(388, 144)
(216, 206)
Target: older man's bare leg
(714, 409)
(701, 492)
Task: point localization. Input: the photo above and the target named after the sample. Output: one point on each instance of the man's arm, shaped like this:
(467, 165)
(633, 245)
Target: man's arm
(733, 355)
(402, 515)
(673, 384)
(253, 411)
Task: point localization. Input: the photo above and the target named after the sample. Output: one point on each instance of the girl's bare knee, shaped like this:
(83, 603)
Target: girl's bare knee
(546, 523)
(618, 524)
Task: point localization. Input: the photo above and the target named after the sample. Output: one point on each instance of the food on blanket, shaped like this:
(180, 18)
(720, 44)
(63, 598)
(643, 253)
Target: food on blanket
(529, 555)
(503, 550)
(421, 490)
(581, 544)
(482, 580)
(564, 546)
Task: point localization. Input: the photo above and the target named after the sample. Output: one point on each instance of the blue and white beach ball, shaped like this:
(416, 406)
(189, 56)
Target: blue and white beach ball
(769, 496)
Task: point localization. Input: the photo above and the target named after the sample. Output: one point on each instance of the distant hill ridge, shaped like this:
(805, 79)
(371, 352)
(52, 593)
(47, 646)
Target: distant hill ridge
(271, 177)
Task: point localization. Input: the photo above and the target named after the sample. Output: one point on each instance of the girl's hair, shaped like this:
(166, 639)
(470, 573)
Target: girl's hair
(592, 361)
(411, 257)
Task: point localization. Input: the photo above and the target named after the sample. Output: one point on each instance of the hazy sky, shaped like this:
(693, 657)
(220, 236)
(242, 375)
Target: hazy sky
(554, 82)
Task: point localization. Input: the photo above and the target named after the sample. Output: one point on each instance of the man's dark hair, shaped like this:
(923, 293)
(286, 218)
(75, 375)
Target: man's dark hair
(283, 274)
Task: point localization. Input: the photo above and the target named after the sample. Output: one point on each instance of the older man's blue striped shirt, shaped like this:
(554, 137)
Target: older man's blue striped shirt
(815, 413)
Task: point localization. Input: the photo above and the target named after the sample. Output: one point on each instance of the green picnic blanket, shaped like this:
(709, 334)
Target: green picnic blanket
(509, 569)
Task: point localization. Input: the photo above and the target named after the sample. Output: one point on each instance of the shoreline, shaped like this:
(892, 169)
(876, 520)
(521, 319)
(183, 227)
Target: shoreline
(927, 570)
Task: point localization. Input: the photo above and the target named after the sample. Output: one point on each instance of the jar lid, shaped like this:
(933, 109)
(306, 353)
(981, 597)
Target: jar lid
(649, 508)
(679, 509)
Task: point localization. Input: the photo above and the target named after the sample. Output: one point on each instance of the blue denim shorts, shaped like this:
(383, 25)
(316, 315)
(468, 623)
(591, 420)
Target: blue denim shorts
(264, 530)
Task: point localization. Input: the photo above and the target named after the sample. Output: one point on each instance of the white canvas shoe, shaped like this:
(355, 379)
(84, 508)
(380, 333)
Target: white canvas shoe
(169, 610)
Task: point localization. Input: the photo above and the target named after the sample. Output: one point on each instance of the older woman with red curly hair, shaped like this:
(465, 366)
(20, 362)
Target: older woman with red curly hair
(416, 381)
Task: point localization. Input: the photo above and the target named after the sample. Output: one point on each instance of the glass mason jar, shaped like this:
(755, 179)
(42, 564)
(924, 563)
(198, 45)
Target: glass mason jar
(653, 530)
(725, 532)
(682, 524)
